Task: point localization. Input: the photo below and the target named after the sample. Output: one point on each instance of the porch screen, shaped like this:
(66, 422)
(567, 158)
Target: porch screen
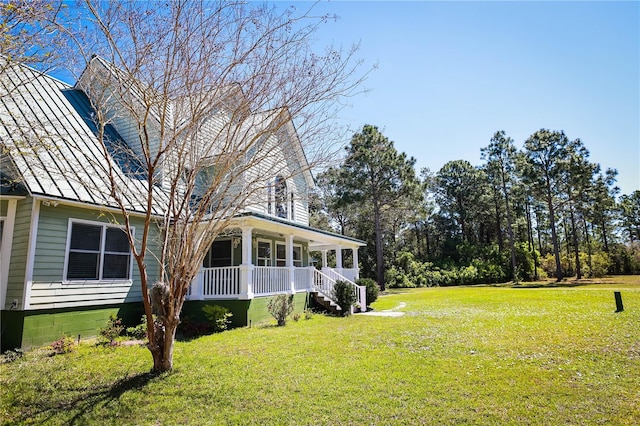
(98, 252)
(219, 255)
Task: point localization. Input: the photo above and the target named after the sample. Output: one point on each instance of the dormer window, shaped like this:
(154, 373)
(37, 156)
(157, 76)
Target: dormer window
(293, 207)
(280, 188)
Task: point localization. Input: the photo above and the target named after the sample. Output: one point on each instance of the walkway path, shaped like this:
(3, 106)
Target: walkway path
(387, 313)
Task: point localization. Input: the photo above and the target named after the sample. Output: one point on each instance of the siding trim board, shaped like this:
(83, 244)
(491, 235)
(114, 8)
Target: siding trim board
(31, 254)
(6, 243)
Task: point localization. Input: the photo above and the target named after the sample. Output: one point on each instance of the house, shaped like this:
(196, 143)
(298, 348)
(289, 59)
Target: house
(65, 265)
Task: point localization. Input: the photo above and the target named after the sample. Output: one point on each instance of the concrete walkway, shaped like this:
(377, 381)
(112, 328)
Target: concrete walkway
(386, 313)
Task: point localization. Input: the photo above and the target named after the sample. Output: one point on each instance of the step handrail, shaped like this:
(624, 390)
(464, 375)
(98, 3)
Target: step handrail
(323, 283)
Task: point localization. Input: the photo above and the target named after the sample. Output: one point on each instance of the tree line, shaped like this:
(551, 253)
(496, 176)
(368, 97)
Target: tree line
(545, 210)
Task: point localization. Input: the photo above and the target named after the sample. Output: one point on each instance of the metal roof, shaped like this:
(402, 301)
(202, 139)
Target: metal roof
(46, 128)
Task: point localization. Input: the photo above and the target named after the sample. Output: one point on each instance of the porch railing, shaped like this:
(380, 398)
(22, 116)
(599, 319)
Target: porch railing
(225, 282)
(325, 280)
(271, 280)
(220, 282)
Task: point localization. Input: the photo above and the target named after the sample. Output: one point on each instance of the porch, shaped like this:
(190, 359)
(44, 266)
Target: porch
(274, 258)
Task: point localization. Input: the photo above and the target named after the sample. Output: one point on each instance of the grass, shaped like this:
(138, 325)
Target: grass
(468, 355)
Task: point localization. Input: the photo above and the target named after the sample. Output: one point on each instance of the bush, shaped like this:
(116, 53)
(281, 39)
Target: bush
(10, 356)
(372, 289)
(218, 316)
(344, 296)
(138, 332)
(280, 307)
(111, 331)
(62, 346)
(189, 328)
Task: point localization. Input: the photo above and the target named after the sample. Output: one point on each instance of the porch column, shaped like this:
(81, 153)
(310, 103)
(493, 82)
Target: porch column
(246, 268)
(355, 262)
(339, 260)
(289, 263)
(324, 259)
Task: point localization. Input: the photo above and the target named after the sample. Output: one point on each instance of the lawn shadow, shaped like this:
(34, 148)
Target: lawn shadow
(88, 399)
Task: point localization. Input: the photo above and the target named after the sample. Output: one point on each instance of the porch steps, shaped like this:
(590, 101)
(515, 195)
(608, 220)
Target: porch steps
(326, 302)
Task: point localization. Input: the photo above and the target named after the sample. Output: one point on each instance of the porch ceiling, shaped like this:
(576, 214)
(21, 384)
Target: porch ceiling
(316, 238)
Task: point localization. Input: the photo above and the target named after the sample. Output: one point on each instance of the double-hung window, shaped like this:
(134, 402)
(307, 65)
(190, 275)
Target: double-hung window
(97, 252)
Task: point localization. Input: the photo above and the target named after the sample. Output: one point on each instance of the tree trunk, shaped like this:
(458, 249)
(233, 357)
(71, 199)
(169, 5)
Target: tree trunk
(588, 239)
(498, 221)
(512, 247)
(379, 253)
(554, 235)
(576, 249)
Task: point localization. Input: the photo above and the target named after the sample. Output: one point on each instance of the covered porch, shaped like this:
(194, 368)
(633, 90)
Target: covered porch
(262, 256)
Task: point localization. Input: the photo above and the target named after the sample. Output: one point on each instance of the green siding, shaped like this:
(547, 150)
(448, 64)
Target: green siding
(48, 290)
(18, 262)
(3, 207)
(26, 329)
(245, 312)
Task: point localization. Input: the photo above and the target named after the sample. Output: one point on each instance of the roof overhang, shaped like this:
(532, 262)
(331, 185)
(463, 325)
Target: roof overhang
(316, 238)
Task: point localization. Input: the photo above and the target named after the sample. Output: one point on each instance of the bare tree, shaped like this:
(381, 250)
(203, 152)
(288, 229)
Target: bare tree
(207, 89)
(30, 32)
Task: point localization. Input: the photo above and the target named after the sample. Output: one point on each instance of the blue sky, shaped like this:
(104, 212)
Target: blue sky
(452, 73)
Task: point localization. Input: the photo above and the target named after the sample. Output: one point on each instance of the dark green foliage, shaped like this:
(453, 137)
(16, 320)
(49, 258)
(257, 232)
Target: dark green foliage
(111, 331)
(373, 290)
(188, 328)
(218, 316)
(139, 331)
(344, 296)
(280, 307)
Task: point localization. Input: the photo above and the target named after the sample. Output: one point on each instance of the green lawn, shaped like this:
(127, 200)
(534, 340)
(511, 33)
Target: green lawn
(468, 355)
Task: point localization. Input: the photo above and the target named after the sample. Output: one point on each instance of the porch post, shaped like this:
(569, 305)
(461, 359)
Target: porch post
(355, 262)
(339, 260)
(324, 259)
(246, 268)
(289, 263)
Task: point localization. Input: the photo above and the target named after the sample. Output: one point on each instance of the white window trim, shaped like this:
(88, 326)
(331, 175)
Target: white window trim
(102, 253)
(271, 254)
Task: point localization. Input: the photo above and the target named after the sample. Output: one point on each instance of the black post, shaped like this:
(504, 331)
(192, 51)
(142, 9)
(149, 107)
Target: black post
(619, 307)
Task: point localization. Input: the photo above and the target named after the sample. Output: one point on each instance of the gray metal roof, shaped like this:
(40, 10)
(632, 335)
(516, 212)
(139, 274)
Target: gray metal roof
(46, 128)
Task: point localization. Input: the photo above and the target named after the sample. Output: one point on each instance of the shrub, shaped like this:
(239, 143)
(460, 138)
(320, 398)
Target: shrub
(10, 356)
(111, 331)
(297, 316)
(308, 314)
(189, 328)
(372, 289)
(344, 296)
(596, 266)
(62, 346)
(138, 332)
(280, 307)
(218, 316)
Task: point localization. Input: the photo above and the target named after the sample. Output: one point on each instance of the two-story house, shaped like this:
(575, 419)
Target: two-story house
(65, 264)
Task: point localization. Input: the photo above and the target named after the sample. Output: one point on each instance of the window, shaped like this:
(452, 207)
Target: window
(281, 197)
(297, 256)
(97, 252)
(281, 255)
(219, 254)
(263, 256)
(269, 209)
(293, 208)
